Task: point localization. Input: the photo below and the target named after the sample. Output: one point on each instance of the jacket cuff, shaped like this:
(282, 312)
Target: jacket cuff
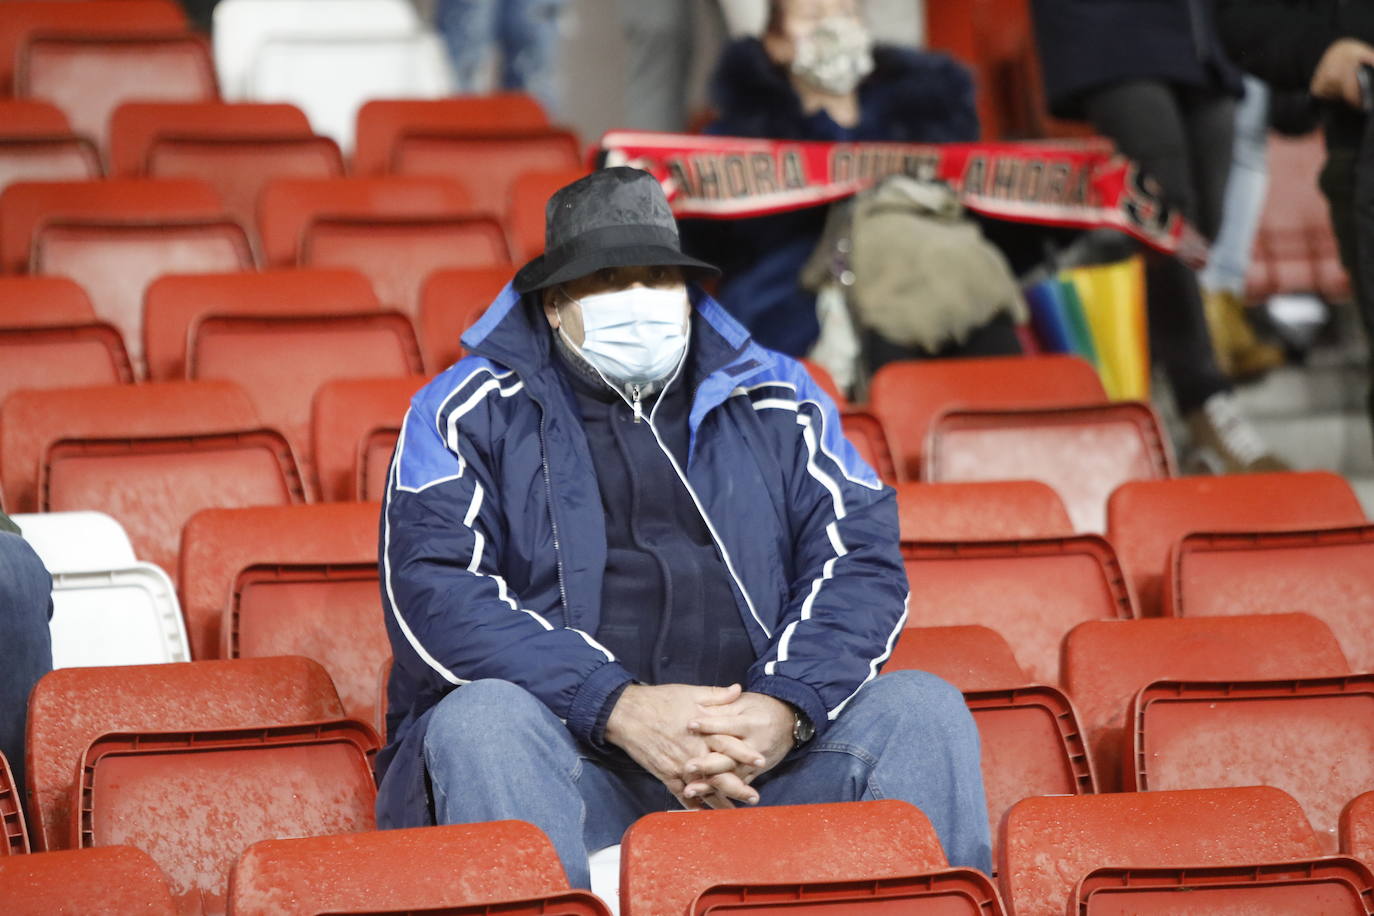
(599, 730)
(803, 696)
(591, 697)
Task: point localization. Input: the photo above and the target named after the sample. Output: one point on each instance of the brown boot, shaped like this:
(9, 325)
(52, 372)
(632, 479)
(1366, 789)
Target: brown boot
(1224, 441)
(1240, 354)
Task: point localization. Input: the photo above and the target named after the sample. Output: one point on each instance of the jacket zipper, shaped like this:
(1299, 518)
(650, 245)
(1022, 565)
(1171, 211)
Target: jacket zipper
(553, 522)
(635, 405)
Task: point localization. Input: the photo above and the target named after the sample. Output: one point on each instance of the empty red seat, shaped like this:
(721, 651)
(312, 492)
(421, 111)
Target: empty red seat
(1030, 591)
(354, 425)
(89, 76)
(668, 859)
(969, 657)
(21, 19)
(71, 707)
(865, 432)
(194, 800)
(1083, 452)
(486, 163)
(1106, 662)
(1338, 887)
(55, 157)
(451, 301)
(135, 127)
(1357, 827)
(907, 396)
(218, 545)
(98, 882)
(49, 338)
(1050, 843)
(1311, 737)
(16, 837)
(31, 117)
(393, 870)
(952, 892)
(1328, 572)
(992, 510)
(1146, 518)
(382, 121)
(529, 196)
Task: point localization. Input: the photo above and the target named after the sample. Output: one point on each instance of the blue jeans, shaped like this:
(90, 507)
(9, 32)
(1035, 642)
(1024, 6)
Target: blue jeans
(493, 751)
(1246, 187)
(25, 642)
(525, 31)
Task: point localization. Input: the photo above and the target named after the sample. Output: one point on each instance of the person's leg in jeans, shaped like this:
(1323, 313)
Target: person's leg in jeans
(469, 30)
(658, 41)
(493, 751)
(528, 31)
(25, 641)
(906, 735)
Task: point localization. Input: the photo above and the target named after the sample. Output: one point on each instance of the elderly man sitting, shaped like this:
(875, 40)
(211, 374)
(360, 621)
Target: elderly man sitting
(630, 563)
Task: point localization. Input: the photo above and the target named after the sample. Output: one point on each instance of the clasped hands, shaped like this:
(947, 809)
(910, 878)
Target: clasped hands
(705, 744)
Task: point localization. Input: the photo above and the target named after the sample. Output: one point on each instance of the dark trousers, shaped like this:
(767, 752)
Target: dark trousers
(25, 644)
(1182, 138)
(1347, 180)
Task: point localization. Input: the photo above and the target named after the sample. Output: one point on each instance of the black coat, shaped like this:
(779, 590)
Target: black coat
(1088, 44)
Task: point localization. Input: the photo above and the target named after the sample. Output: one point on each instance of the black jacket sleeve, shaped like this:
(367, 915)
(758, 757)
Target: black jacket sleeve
(1279, 41)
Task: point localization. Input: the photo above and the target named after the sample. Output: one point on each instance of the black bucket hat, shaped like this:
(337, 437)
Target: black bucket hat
(615, 217)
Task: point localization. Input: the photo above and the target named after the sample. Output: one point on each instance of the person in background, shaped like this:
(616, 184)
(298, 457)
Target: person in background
(523, 32)
(1321, 46)
(25, 641)
(1152, 76)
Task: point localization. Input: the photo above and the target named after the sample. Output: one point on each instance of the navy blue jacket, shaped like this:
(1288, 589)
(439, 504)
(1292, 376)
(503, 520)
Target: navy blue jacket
(493, 540)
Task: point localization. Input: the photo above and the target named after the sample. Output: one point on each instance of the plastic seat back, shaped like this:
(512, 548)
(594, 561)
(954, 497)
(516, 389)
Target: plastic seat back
(16, 837)
(389, 870)
(398, 253)
(21, 19)
(1084, 453)
(969, 657)
(32, 421)
(119, 615)
(31, 117)
(451, 301)
(487, 164)
(907, 396)
(98, 882)
(70, 708)
(349, 420)
(219, 544)
(1049, 843)
(954, 892)
(77, 541)
(174, 305)
(1030, 591)
(90, 76)
(29, 302)
(1334, 886)
(1357, 827)
(135, 127)
(1295, 249)
(992, 510)
(1328, 573)
(1106, 662)
(667, 859)
(865, 432)
(1146, 518)
(526, 217)
(1204, 734)
(59, 157)
(381, 122)
(288, 206)
(158, 790)
(49, 338)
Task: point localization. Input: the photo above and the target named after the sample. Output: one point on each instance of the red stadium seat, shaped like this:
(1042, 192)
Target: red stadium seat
(451, 301)
(865, 432)
(16, 837)
(953, 892)
(1311, 737)
(995, 510)
(31, 117)
(1328, 572)
(1338, 887)
(135, 127)
(89, 76)
(57, 157)
(1050, 843)
(1030, 591)
(395, 870)
(174, 305)
(822, 377)
(36, 302)
(71, 707)
(969, 657)
(217, 545)
(529, 195)
(20, 20)
(668, 859)
(907, 396)
(1146, 518)
(1107, 661)
(1357, 827)
(31, 421)
(1083, 452)
(353, 426)
(382, 122)
(114, 879)
(158, 791)
(486, 163)
(49, 338)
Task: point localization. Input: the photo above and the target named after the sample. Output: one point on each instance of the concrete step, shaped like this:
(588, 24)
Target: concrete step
(1300, 390)
(1340, 442)
(1364, 488)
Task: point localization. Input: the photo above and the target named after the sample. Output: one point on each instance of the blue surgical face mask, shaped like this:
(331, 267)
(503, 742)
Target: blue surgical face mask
(634, 336)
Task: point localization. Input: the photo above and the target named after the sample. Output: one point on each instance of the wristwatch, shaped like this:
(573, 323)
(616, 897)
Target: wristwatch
(802, 728)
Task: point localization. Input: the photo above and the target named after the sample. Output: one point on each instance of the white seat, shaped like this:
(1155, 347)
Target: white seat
(123, 616)
(605, 870)
(241, 26)
(331, 78)
(72, 542)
